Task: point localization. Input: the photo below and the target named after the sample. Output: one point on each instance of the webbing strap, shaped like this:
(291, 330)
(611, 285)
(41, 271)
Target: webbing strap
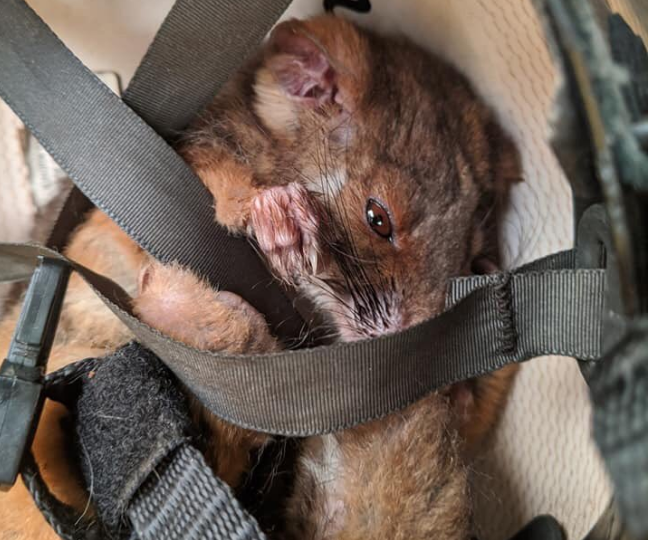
(184, 500)
(184, 67)
(198, 47)
(63, 519)
(167, 490)
(500, 318)
(123, 166)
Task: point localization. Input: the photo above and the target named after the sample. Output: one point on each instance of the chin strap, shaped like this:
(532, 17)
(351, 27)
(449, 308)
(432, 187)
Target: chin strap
(145, 478)
(545, 308)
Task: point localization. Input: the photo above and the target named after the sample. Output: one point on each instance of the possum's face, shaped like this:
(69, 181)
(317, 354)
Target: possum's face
(396, 169)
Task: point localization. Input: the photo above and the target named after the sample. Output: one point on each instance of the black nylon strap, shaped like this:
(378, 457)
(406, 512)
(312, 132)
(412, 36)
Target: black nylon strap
(185, 501)
(63, 386)
(493, 321)
(72, 213)
(63, 519)
(184, 67)
(123, 166)
(173, 495)
(198, 47)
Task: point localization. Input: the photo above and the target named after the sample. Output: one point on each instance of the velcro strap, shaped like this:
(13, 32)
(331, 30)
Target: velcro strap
(130, 415)
(132, 425)
(492, 321)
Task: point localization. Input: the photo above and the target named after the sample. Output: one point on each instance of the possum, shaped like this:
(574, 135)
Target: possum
(368, 173)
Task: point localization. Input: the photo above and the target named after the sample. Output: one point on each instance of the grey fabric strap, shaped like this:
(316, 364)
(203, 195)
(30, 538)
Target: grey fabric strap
(169, 496)
(492, 321)
(184, 500)
(123, 166)
(185, 66)
(198, 47)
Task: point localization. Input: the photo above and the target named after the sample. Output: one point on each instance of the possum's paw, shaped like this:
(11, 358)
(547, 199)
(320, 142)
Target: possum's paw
(180, 305)
(286, 222)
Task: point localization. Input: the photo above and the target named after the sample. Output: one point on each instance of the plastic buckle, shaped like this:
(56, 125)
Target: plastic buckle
(23, 371)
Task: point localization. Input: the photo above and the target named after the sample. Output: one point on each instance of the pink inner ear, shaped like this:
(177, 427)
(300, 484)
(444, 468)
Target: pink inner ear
(144, 277)
(301, 67)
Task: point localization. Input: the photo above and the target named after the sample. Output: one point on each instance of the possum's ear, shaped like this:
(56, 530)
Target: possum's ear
(306, 70)
(300, 66)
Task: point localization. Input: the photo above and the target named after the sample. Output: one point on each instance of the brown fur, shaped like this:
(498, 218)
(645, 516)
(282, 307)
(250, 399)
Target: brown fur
(398, 478)
(392, 123)
(402, 127)
(177, 303)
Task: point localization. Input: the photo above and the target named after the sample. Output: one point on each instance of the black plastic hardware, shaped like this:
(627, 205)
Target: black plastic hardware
(23, 371)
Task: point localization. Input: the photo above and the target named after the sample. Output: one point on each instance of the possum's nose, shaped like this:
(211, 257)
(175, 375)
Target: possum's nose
(372, 327)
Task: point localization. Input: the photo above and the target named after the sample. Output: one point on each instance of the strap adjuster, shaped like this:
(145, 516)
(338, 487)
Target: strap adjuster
(23, 371)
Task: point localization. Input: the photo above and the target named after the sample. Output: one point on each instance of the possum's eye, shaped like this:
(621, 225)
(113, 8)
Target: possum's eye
(378, 219)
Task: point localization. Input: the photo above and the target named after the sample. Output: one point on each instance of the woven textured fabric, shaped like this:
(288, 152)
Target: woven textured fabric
(492, 321)
(184, 500)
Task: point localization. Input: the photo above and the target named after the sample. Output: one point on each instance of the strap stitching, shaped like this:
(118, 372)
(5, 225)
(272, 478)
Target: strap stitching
(504, 302)
(496, 364)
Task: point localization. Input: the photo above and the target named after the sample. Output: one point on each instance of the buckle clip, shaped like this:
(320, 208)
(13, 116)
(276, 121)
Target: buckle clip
(23, 371)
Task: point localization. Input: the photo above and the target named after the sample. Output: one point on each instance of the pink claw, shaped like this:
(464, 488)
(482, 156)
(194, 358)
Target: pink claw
(286, 223)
